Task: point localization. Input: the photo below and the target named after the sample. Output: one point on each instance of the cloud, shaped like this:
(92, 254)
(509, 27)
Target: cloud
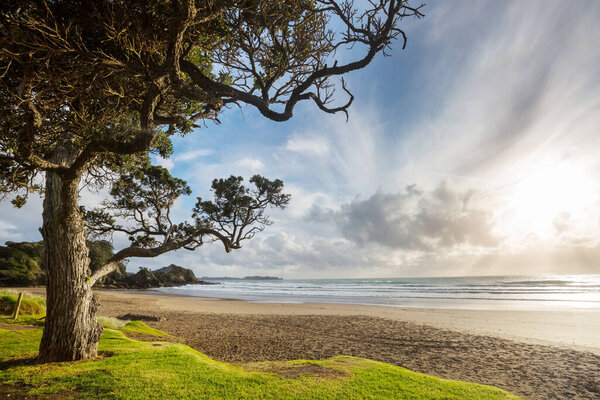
(287, 255)
(250, 164)
(21, 224)
(315, 145)
(414, 219)
(169, 163)
(193, 155)
(165, 162)
(9, 231)
(561, 222)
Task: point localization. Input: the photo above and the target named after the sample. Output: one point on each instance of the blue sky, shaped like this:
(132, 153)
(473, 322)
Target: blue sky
(471, 152)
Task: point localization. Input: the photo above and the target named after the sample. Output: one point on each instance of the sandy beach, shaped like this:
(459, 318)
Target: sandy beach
(540, 355)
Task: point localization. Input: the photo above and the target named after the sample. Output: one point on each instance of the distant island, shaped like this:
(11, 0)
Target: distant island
(249, 278)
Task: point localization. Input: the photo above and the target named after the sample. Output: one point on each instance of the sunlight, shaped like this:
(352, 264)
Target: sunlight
(547, 193)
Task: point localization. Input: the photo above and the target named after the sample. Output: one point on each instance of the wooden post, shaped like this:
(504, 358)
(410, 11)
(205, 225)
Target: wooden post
(18, 305)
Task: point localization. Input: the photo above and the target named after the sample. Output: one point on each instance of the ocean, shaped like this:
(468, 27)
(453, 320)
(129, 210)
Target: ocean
(548, 292)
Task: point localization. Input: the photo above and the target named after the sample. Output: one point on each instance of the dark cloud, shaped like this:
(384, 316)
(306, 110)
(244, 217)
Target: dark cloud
(413, 219)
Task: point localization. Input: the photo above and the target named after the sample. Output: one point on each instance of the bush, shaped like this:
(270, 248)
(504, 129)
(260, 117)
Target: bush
(20, 263)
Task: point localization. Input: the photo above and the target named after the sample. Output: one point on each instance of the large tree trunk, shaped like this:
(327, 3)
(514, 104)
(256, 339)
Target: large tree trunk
(71, 331)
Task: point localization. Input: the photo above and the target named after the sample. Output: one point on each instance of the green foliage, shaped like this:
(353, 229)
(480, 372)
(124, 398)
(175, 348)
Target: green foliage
(240, 210)
(100, 251)
(20, 263)
(162, 144)
(142, 200)
(19, 201)
(145, 196)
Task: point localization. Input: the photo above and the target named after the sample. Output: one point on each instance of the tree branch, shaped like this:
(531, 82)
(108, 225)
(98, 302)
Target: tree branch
(133, 251)
(378, 28)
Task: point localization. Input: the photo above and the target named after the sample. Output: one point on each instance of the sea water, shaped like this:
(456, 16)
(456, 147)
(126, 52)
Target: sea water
(548, 292)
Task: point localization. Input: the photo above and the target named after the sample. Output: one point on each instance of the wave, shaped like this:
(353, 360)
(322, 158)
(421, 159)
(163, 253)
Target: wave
(542, 282)
(573, 291)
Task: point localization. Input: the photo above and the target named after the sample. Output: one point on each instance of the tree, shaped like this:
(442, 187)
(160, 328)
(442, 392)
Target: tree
(90, 88)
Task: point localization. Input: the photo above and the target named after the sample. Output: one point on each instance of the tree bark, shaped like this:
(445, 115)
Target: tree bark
(71, 331)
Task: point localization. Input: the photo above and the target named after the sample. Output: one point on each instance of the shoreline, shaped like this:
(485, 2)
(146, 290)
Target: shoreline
(539, 355)
(442, 303)
(572, 329)
(569, 329)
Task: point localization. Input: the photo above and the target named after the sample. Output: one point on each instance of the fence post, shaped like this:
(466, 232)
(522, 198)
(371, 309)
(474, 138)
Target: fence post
(18, 305)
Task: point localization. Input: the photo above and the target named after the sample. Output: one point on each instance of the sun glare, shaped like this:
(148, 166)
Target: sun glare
(544, 195)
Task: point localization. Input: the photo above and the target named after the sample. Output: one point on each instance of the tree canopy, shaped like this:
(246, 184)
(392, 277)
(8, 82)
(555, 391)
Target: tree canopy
(141, 202)
(119, 77)
(90, 89)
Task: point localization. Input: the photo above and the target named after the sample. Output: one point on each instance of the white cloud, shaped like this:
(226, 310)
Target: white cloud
(311, 145)
(9, 231)
(21, 223)
(165, 162)
(193, 155)
(250, 164)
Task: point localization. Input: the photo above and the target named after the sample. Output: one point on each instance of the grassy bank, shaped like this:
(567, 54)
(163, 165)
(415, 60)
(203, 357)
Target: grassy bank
(130, 369)
(30, 304)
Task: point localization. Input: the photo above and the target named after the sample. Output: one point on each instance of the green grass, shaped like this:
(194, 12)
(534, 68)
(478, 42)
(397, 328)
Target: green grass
(140, 327)
(130, 369)
(30, 305)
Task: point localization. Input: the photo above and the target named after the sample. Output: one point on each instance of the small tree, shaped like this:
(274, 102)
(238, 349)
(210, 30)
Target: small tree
(141, 208)
(89, 89)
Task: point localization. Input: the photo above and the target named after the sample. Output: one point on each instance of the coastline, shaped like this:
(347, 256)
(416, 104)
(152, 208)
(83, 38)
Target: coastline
(570, 329)
(539, 355)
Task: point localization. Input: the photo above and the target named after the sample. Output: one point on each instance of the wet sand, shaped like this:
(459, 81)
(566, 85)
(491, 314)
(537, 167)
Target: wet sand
(540, 355)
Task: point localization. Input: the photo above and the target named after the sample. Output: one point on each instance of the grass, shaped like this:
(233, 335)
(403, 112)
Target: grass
(130, 369)
(141, 328)
(30, 305)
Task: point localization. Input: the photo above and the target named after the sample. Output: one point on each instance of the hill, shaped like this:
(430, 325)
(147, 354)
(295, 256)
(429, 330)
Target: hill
(173, 275)
(21, 263)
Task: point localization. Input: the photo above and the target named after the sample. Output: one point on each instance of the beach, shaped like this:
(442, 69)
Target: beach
(539, 355)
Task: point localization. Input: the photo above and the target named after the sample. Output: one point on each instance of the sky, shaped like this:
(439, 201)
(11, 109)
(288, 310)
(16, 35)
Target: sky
(474, 151)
